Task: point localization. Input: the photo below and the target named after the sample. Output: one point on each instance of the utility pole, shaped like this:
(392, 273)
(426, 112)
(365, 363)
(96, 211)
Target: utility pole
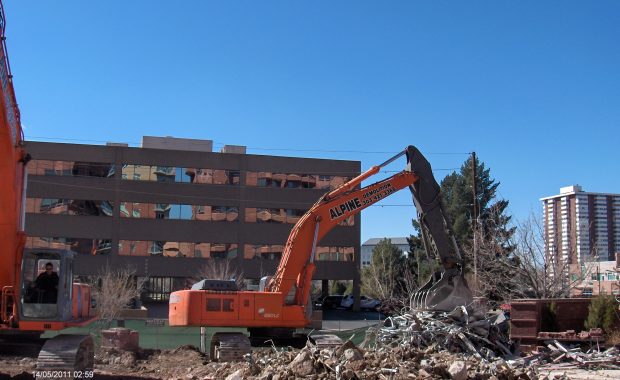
(474, 219)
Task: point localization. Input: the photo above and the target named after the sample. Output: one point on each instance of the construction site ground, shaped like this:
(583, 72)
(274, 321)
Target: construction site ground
(410, 346)
(188, 363)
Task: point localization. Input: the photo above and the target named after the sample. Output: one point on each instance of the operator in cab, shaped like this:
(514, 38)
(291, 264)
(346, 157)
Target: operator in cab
(47, 284)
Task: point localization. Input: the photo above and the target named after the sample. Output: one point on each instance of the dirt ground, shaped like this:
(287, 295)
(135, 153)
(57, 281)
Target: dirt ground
(188, 363)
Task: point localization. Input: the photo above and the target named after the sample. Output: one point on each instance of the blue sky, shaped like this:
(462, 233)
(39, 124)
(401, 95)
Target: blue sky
(533, 87)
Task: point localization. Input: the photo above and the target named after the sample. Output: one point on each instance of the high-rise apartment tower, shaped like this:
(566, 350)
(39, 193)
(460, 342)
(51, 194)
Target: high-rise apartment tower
(580, 226)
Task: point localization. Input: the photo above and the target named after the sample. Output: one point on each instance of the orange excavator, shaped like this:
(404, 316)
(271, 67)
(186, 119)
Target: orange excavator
(282, 303)
(37, 289)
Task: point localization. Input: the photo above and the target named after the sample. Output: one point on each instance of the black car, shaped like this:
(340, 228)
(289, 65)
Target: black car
(332, 302)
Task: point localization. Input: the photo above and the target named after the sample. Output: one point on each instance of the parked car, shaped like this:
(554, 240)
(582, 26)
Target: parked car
(332, 302)
(366, 303)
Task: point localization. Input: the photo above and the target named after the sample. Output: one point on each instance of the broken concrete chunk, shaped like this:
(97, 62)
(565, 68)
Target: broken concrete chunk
(303, 364)
(458, 370)
(237, 375)
(352, 354)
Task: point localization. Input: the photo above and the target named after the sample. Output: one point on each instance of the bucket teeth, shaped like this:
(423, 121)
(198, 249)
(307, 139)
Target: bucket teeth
(443, 292)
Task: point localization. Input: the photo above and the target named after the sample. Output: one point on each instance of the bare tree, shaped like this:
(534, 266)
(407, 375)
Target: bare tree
(528, 271)
(221, 269)
(382, 278)
(113, 290)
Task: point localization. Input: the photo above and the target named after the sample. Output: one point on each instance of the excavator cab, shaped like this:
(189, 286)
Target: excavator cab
(46, 285)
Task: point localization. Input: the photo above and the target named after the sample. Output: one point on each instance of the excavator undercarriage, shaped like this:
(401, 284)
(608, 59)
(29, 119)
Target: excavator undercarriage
(67, 352)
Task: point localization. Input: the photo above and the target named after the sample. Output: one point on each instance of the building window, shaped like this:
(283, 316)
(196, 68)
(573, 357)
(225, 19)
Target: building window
(78, 245)
(263, 251)
(70, 168)
(158, 288)
(177, 249)
(335, 253)
(56, 206)
(158, 173)
(179, 211)
(294, 180)
(215, 250)
(156, 248)
(274, 252)
(282, 216)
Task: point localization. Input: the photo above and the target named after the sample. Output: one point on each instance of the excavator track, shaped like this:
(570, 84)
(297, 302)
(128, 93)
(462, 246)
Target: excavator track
(67, 353)
(229, 347)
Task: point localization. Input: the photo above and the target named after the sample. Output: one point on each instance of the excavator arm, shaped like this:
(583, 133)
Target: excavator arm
(297, 265)
(447, 288)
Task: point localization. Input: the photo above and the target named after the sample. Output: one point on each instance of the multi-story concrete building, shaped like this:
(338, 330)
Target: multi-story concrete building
(581, 226)
(370, 244)
(169, 207)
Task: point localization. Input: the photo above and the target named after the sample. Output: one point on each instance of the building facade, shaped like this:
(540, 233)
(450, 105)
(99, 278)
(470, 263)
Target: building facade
(580, 226)
(169, 207)
(599, 277)
(370, 244)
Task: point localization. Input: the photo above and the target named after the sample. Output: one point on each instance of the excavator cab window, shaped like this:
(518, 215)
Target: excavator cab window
(42, 277)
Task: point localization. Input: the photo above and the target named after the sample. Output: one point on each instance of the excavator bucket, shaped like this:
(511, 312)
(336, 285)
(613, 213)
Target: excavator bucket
(443, 292)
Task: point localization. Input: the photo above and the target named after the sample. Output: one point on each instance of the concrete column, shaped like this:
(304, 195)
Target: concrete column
(324, 288)
(356, 294)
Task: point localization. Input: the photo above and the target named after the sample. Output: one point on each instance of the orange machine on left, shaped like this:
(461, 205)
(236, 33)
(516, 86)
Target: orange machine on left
(38, 292)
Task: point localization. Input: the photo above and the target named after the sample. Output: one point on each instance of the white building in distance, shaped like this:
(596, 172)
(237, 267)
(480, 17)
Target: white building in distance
(369, 245)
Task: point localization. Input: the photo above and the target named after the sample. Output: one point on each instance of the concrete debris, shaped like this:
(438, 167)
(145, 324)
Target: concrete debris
(303, 364)
(120, 338)
(457, 331)
(562, 356)
(458, 371)
(423, 345)
(237, 375)
(595, 335)
(428, 345)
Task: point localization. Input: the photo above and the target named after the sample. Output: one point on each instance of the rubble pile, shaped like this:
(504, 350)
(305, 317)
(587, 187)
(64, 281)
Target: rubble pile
(593, 335)
(413, 345)
(558, 356)
(455, 332)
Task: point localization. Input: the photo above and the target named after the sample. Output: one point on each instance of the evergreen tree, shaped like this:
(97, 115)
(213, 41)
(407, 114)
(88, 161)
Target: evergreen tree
(493, 219)
(493, 250)
(602, 313)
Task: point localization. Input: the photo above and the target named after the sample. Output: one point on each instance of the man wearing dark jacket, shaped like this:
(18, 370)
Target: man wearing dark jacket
(47, 284)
